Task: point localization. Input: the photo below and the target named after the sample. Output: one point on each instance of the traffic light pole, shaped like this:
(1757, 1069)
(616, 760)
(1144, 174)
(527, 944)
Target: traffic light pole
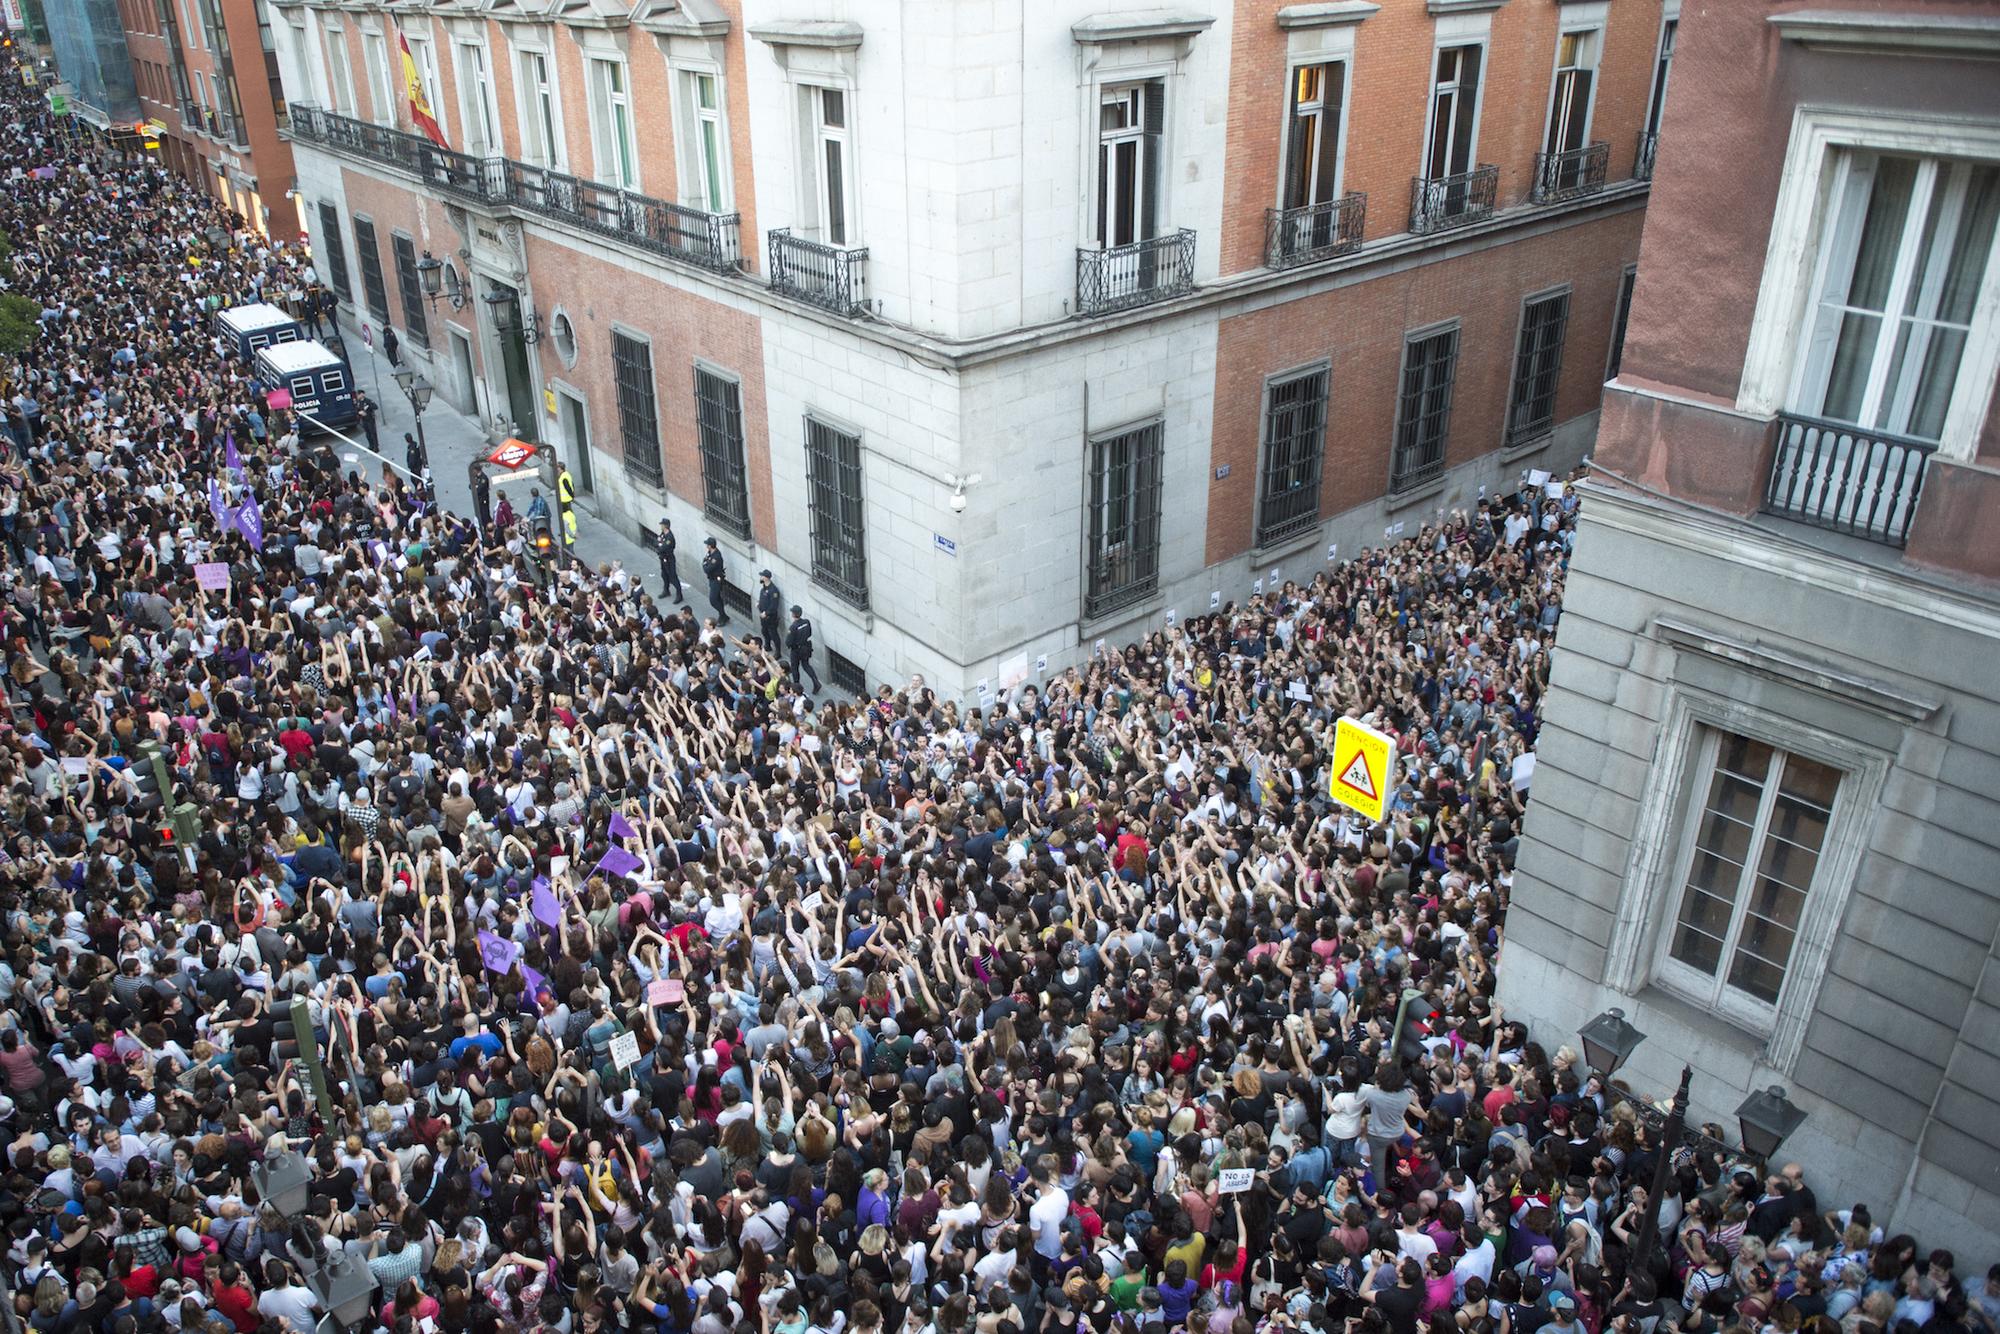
(302, 1030)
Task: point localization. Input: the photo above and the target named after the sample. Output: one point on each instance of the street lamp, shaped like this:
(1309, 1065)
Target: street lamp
(1608, 1041)
(1765, 1119)
(431, 270)
(418, 391)
(530, 327)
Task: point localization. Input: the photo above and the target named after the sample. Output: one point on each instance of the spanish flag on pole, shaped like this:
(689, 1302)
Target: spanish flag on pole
(420, 103)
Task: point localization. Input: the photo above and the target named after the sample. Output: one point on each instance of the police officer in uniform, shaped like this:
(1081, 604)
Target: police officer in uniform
(799, 642)
(482, 496)
(414, 456)
(364, 409)
(566, 508)
(713, 568)
(768, 607)
(665, 543)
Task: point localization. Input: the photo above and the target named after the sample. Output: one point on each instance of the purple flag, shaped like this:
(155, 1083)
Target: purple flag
(497, 952)
(543, 903)
(250, 523)
(617, 861)
(230, 458)
(218, 505)
(535, 981)
(622, 828)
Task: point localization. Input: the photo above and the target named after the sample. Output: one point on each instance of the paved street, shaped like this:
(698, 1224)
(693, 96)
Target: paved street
(454, 440)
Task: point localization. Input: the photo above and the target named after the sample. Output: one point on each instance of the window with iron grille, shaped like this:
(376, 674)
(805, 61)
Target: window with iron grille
(416, 323)
(370, 255)
(638, 415)
(1124, 518)
(1294, 441)
(1423, 410)
(846, 673)
(839, 546)
(718, 401)
(1618, 320)
(1531, 409)
(336, 250)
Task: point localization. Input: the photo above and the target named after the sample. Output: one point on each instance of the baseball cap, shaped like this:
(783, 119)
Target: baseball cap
(1560, 1301)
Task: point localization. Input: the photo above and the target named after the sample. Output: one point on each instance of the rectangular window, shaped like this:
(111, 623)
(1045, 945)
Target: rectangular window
(638, 414)
(831, 169)
(1454, 112)
(1754, 844)
(1570, 99)
(337, 69)
(1131, 119)
(336, 250)
(416, 323)
(381, 89)
(369, 256)
(844, 673)
(1902, 261)
(482, 132)
(1124, 552)
(719, 417)
(705, 145)
(334, 380)
(1663, 67)
(425, 55)
(540, 140)
(839, 536)
(1294, 442)
(616, 154)
(1619, 321)
(1312, 135)
(1531, 408)
(1423, 409)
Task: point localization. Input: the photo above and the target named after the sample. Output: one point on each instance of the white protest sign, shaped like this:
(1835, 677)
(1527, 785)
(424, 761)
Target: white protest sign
(625, 1050)
(1233, 1180)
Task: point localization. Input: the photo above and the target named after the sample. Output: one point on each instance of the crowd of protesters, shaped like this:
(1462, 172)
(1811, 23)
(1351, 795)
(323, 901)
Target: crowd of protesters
(651, 991)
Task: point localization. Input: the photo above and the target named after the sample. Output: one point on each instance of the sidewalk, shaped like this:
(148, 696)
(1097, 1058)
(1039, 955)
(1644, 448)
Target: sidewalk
(454, 440)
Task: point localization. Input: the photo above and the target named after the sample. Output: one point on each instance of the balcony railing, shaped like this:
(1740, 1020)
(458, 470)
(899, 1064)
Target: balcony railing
(1854, 481)
(1570, 174)
(1438, 203)
(828, 276)
(1649, 148)
(706, 239)
(1313, 232)
(1120, 277)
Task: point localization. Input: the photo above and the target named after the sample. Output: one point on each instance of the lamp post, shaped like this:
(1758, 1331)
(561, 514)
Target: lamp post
(431, 270)
(1607, 1041)
(1645, 1246)
(418, 391)
(1766, 1118)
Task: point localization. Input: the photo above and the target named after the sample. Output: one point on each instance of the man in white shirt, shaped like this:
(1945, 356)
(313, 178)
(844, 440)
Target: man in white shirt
(1047, 1213)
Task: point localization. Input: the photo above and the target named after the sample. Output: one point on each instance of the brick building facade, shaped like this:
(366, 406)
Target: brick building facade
(997, 330)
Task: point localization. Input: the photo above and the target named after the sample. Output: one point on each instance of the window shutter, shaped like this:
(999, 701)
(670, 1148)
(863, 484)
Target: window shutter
(1332, 86)
(1466, 109)
(1156, 120)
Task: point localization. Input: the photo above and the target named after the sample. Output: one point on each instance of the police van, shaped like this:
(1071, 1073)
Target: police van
(320, 383)
(251, 329)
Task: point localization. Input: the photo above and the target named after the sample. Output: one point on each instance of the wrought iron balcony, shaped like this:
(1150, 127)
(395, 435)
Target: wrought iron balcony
(1313, 232)
(1842, 477)
(1649, 148)
(706, 239)
(1570, 174)
(1112, 278)
(1439, 203)
(828, 276)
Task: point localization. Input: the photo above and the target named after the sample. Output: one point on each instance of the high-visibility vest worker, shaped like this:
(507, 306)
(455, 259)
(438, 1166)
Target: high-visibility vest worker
(569, 527)
(565, 488)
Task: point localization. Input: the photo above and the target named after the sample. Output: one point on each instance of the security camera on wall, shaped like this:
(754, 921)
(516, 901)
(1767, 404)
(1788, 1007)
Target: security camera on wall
(958, 502)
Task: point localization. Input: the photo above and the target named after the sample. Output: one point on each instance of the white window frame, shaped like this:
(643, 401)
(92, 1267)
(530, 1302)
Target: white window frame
(819, 136)
(697, 189)
(1345, 59)
(340, 74)
(1805, 191)
(1442, 45)
(1663, 51)
(381, 83)
(1714, 992)
(474, 63)
(539, 108)
(1590, 45)
(608, 165)
(1650, 898)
